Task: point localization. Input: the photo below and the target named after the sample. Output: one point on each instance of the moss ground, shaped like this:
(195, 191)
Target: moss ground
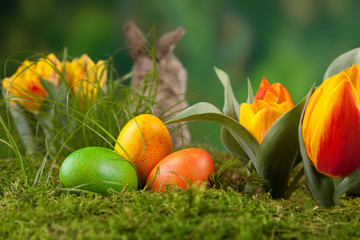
(225, 212)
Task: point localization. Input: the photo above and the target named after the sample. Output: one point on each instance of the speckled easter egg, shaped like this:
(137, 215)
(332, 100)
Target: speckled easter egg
(191, 165)
(99, 170)
(144, 132)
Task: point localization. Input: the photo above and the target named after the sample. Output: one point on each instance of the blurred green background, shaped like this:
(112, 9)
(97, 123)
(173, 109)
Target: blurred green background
(288, 41)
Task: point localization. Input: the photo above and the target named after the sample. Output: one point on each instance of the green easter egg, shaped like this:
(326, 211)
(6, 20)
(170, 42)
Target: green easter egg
(98, 169)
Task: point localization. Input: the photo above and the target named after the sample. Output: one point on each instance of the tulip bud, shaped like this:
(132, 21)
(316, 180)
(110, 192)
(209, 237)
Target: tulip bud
(331, 124)
(271, 102)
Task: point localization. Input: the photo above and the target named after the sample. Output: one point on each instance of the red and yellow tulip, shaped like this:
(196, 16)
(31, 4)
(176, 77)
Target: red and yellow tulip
(331, 124)
(271, 102)
(25, 82)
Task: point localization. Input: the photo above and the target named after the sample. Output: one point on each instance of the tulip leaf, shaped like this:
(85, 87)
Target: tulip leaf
(342, 62)
(232, 145)
(231, 105)
(250, 98)
(197, 109)
(232, 109)
(57, 99)
(278, 150)
(350, 184)
(50, 88)
(22, 123)
(208, 112)
(57, 94)
(321, 186)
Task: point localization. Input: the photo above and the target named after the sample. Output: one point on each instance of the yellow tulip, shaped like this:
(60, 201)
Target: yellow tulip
(25, 82)
(85, 77)
(271, 102)
(331, 124)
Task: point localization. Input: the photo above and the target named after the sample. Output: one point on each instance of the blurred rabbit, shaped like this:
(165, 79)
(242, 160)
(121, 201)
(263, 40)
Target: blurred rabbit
(171, 88)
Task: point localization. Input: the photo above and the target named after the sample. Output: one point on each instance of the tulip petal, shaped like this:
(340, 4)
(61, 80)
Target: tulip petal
(282, 93)
(264, 87)
(35, 88)
(333, 128)
(270, 97)
(275, 92)
(354, 76)
(263, 120)
(246, 115)
(285, 106)
(316, 106)
(258, 117)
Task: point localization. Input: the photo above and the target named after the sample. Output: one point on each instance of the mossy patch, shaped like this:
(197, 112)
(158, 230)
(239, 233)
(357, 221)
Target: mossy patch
(221, 212)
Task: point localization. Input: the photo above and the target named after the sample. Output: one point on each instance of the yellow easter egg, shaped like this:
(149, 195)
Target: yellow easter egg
(144, 140)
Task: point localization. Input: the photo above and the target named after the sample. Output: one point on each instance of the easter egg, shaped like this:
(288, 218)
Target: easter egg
(192, 165)
(144, 141)
(98, 170)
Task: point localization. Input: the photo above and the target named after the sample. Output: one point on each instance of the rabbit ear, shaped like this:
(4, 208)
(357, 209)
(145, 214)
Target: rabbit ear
(167, 42)
(136, 42)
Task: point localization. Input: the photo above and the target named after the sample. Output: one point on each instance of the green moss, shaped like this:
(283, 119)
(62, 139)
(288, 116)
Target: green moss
(224, 212)
(192, 214)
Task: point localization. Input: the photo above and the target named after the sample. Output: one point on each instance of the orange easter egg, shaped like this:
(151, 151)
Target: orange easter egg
(192, 165)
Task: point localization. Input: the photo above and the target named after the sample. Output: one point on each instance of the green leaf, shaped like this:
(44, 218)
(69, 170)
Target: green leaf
(57, 94)
(250, 98)
(57, 100)
(320, 185)
(278, 150)
(350, 184)
(208, 112)
(197, 109)
(50, 88)
(14, 146)
(232, 109)
(24, 128)
(232, 145)
(342, 62)
(231, 105)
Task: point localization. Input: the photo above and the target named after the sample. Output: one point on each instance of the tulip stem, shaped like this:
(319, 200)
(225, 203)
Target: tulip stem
(292, 186)
(249, 189)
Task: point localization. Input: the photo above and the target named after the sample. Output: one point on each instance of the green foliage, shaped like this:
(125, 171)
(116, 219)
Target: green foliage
(232, 109)
(276, 154)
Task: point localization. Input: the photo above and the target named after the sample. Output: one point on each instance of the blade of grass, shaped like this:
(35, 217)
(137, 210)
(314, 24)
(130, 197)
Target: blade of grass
(15, 148)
